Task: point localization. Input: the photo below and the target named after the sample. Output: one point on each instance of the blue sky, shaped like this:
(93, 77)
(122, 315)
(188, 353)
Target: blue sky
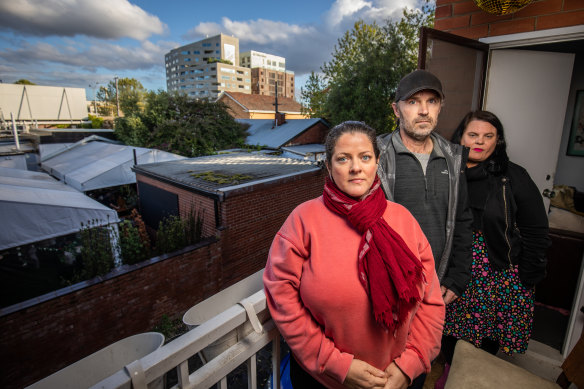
(78, 43)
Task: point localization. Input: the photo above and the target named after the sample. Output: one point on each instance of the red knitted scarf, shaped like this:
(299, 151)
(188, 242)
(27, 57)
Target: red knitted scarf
(388, 270)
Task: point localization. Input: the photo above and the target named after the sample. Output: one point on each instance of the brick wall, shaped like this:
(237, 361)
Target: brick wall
(315, 134)
(186, 200)
(252, 220)
(464, 18)
(41, 339)
(252, 217)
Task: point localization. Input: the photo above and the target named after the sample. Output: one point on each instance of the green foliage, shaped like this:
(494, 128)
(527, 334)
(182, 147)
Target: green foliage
(231, 179)
(213, 60)
(367, 64)
(96, 122)
(175, 233)
(170, 328)
(313, 96)
(132, 248)
(181, 125)
(96, 254)
(130, 94)
(22, 81)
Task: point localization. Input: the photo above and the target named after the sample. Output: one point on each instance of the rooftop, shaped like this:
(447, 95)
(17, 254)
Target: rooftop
(263, 132)
(223, 173)
(251, 102)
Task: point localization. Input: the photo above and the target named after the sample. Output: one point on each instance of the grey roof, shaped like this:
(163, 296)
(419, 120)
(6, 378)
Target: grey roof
(35, 206)
(240, 170)
(312, 148)
(93, 164)
(262, 131)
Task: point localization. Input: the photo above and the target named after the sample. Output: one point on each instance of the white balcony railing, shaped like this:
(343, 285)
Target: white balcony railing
(252, 335)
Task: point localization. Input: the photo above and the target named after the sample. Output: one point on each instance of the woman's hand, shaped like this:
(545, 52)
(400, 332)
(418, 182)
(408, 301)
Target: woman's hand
(362, 375)
(396, 379)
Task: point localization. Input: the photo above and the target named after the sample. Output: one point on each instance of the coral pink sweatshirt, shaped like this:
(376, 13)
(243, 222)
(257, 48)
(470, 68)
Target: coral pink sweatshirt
(322, 310)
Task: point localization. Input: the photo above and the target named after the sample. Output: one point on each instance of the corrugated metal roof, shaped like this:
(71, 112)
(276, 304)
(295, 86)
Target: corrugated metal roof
(262, 132)
(227, 171)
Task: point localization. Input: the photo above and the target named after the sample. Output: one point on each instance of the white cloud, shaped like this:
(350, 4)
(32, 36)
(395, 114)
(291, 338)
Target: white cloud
(305, 47)
(90, 57)
(342, 9)
(106, 19)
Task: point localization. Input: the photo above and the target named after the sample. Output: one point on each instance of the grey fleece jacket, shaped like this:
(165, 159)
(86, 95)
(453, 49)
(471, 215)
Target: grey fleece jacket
(453, 267)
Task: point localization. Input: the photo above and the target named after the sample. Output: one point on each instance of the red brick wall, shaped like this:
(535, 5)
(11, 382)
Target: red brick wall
(252, 220)
(315, 134)
(464, 18)
(186, 200)
(46, 337)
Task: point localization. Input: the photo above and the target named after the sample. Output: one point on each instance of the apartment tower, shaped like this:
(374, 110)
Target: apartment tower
(206, 68)
(266, 70)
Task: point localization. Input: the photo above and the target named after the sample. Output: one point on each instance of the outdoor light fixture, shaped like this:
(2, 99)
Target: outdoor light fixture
(502, 7)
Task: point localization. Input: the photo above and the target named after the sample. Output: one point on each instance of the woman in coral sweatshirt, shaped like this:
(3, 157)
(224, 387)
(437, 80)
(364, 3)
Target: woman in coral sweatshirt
(350, 279)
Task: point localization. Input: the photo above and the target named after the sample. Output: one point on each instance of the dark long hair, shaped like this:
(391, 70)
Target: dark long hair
(497, 162)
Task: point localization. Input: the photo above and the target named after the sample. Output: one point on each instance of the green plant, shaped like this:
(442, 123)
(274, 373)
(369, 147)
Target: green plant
(220, 178)
(175, 233)
(96, 253)
(170, 328)
(96, 122)
(132, 248)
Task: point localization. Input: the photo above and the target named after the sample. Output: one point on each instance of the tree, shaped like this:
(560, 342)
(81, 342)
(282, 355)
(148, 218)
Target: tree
(367, 64)
(181, 125)
(22, 81)
(130, 94)
(313, 96)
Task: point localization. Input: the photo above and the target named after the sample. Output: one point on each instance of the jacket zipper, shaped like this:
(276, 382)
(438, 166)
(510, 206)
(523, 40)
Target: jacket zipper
(507, 223)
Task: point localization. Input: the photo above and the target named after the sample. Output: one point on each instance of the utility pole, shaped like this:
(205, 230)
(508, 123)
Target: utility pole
(94, 86)
(117, 97)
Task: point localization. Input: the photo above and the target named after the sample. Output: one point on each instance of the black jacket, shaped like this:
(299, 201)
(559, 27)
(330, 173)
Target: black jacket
(508, 208)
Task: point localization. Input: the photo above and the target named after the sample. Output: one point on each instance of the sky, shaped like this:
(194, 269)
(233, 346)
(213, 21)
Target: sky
(86, 43)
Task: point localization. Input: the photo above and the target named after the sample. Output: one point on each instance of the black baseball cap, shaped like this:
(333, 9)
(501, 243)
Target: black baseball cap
(417, 81)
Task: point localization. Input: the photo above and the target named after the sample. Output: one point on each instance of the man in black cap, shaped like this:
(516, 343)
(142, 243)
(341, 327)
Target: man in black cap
(425, 173)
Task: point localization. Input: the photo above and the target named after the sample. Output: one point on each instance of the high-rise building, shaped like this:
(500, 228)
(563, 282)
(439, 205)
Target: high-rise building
(266, 70)
(206, 68)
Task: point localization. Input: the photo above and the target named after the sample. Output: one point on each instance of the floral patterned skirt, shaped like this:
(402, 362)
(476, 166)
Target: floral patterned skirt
(495, 305)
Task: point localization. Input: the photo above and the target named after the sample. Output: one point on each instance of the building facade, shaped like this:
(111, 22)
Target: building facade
(206, 68)
(266, 71)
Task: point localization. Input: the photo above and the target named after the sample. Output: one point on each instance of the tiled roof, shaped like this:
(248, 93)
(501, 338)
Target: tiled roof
(238, 169)
(252, 102)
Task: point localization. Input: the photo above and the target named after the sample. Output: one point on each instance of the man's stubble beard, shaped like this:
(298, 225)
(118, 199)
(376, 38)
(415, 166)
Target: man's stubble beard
(420, 135)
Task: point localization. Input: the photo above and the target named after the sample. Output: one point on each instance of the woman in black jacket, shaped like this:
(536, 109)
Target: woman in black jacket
(510, 238)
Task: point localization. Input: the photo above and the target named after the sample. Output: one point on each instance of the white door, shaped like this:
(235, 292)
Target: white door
(528, 91)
